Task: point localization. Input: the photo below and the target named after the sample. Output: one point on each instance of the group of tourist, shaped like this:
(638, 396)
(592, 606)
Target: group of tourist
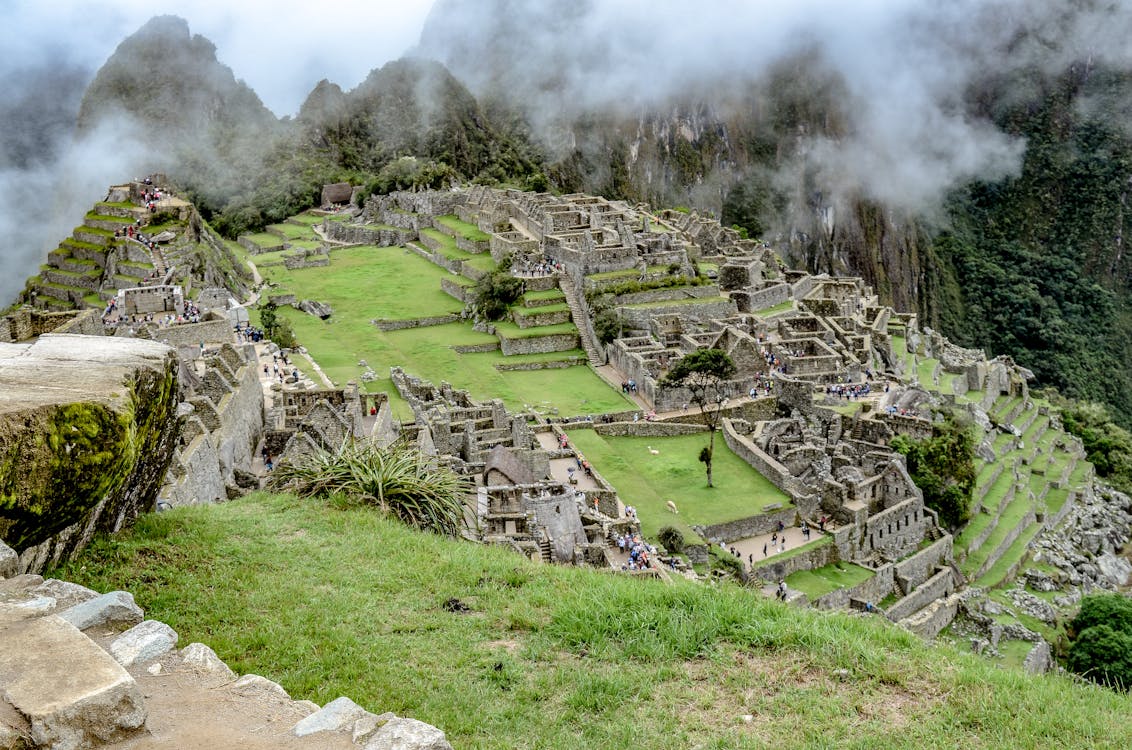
(640, 552)
(247, 334)
(545, 267)
(848, 391)
(628, 386)
(775, 362)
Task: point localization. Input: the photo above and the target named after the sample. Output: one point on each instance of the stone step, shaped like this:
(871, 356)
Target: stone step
(70, 692)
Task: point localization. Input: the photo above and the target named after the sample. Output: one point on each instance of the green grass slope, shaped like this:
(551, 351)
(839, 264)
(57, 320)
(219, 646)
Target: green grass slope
(336, 602)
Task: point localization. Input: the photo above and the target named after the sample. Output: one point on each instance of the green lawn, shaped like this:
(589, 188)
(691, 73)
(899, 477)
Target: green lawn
(479, 261)
(294, 231)
(371, 282)
(820, 581)
(335, 602)
(649, 481)
(339, 343)
(464, 229)
(263, 239)
(781, 307)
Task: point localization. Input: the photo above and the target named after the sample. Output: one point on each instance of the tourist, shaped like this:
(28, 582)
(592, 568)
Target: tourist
(781, 595)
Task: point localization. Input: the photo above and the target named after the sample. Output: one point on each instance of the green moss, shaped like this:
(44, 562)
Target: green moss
(58, 464)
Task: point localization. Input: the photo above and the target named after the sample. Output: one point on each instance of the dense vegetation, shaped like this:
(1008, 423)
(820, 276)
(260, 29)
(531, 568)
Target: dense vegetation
(397, 479)
(1032, 265)
(943, 467)
(1108, 446)
(1101, 647)
(334, 602)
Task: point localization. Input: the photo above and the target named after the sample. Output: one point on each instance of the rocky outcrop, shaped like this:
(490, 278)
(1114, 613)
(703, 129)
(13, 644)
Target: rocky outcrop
(87, 429)
(68, 687)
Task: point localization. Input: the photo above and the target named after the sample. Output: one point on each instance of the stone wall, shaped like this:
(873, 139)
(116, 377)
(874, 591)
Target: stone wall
(762, 462)
(648, 429)
(340, 231)
(874, 589)
(234, 426)
(397, 325)
(27, 323)
(744, 528)
(192, 334)
(539, 344)
(806, 559)
(939, 585)
(459, 291)
(896, 530)
(914, 570)
(638, 317)
(669, 294)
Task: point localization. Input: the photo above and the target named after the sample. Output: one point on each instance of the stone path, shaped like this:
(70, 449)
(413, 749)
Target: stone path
(754, 545)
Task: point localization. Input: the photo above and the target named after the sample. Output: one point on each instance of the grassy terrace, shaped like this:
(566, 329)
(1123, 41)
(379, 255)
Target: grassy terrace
(479, 261)
(545, 295)
(123, 220)
(781, 307)
(648, 481)
(293, 231)
(511, 331)
(464, 229)
(366, 283)
(671, 302)
(336, 602)
(263, 239)
(519, 310)
(629, 274)
(821, 581)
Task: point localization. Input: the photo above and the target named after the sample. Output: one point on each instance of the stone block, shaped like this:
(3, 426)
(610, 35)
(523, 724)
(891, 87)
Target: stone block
(9, 561)
(70, 691)
(337, 715)
(115, 609)
(407, 734)
(201, 657)
(65, 593)
(145, 642)
(367, 726)
(20, 584)
(253, 684)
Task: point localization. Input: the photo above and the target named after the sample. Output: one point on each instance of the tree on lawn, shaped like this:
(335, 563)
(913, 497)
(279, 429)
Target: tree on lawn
(704, 373)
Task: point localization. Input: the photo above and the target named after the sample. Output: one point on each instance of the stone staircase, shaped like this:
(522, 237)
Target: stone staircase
(590, 344)
(82, 670)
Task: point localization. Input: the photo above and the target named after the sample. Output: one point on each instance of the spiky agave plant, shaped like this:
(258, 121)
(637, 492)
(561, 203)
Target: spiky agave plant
(398, 479)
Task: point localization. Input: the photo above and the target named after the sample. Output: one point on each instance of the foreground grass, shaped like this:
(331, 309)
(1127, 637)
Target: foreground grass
(342, 602)
(649, 481)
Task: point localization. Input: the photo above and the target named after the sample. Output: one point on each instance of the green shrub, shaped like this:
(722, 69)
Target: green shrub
(608, 325)
(943, 467)
(495, 292)
(672, 539)
(398, 479)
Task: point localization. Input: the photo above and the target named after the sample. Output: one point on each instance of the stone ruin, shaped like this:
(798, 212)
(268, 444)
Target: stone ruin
(521, 503)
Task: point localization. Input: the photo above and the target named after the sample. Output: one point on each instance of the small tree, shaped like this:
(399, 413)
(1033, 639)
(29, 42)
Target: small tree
(1101, 646)
(943, 467)
(704, 373)
(495, 292)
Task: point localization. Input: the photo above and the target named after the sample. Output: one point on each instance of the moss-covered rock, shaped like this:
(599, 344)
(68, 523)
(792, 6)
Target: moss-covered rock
(88, 426)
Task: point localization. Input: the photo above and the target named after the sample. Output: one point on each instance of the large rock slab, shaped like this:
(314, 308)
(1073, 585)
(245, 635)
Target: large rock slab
(9, 561)
(70, 691)
(203, 659)
(88, 427)
(338, 715)
(144, 642)
(407, 734)
(115, 609)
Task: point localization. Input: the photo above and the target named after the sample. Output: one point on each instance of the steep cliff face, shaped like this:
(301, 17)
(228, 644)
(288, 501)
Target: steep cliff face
(88, 426)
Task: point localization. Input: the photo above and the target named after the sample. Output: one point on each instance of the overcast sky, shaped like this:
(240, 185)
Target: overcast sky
(282, 48)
